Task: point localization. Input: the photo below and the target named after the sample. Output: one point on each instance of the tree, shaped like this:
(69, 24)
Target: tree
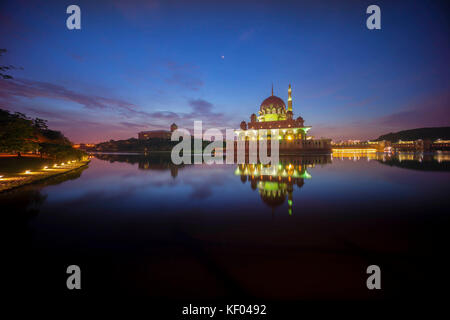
(21, 134)
(40, 124)
(60, 151)
(5, 68)
(16, 133)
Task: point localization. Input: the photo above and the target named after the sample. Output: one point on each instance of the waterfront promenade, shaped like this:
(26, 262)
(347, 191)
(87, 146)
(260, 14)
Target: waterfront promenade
(12, 181)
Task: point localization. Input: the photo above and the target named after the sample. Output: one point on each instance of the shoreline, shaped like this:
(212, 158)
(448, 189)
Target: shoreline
(22, 179)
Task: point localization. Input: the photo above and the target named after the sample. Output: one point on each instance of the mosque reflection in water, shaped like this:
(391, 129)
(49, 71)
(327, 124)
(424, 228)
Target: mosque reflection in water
(277, 182)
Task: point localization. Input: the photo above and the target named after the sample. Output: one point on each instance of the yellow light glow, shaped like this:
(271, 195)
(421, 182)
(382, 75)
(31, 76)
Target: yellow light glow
(27, 171)
(354, 150)
(45, 168)
(289, 137)
(55, 165)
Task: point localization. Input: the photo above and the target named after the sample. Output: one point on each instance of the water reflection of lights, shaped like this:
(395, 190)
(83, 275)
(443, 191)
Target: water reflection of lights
(355, 155)
(276, 183)
(272, 171)
(441, 157)
(419, 157)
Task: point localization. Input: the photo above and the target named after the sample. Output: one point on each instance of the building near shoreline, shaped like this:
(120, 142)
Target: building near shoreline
(422, 145)
(275, 121)
(158, 134)
(360, 146)
(419, 145)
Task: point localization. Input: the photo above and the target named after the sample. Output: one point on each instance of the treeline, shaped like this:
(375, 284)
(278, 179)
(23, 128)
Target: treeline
(20, 134)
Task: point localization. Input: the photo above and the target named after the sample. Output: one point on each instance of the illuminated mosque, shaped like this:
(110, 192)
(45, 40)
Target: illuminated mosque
(292, 133)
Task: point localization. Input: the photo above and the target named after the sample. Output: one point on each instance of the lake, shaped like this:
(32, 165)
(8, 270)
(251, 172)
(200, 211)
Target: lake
(306, 229)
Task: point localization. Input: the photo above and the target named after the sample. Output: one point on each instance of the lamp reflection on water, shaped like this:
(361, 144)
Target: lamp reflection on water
(276, 182)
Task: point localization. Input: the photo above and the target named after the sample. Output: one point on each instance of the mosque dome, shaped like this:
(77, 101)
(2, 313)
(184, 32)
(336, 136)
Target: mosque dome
(271, 104)
(272, 193)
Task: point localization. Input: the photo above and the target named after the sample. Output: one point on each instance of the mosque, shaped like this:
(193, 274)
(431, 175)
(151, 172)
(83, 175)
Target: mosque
(292, 133)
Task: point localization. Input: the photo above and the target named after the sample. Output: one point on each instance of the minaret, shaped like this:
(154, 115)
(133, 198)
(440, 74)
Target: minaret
(290, 98)
(290, 203)
(272, 89)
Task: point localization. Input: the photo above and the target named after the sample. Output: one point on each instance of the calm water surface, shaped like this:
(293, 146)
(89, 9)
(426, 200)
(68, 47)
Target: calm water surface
(141, 226)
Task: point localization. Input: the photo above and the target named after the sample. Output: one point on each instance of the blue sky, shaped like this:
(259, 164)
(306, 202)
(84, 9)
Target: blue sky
(141, 65)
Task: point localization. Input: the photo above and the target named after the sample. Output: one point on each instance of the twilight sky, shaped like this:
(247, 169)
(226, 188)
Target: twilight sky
(141, 65)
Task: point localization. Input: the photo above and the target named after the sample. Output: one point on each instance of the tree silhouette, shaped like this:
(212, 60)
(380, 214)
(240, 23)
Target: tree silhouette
(16, 133)
(5, 68)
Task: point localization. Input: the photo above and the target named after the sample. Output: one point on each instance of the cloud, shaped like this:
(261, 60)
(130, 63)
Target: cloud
(200, 106)
(184, 75)
(203, 110)
(132, 124)
(431, 111)
(135, 9)
(11, 89)
(77, 57)
(165, 115)
(246, 34)
(110, 111)
(358, 104)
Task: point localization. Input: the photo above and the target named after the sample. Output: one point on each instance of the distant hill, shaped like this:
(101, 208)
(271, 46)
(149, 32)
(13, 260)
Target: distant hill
(420, 133)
